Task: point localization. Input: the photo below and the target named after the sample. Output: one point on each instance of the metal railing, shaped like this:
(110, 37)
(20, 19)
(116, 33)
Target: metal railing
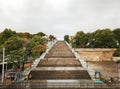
(58, 85)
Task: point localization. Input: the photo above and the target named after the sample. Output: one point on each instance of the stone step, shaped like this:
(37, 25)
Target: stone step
(59, 74)
(59, 68)
(59, 63)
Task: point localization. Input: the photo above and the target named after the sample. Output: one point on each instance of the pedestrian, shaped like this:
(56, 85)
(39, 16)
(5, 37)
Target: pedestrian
(30, 76)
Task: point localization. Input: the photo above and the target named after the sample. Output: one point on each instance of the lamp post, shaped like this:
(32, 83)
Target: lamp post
(3, 64)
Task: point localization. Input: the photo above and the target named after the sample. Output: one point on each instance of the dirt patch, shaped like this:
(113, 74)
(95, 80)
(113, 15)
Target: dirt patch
(107, 68)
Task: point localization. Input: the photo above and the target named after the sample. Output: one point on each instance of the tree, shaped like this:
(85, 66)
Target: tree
(80, 39)
(14, 50)
(6, 34)
(104, 39)
(90, 40)
(39, 40)
(117, 35)
(52, 37)
(38, 45)
(41, 34)
(39, 49)
(13, 43)
(16, 57)
(66, 38)
(117, 53)
(20, 46)
(1, 53)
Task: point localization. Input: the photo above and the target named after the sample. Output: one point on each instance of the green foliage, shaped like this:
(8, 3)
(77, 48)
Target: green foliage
(15, 56)
(28, 35)
(38, 45)
(117, 35)
(39, 40)
(117, 53)
(1, 53)
(38, 50)
(80, 40)
(90, 40)
(66, 38)
(51, 37)
(41, 34)
(104, 38)
(13, 43)
(6, 34)
(20, 46)
(117, 61)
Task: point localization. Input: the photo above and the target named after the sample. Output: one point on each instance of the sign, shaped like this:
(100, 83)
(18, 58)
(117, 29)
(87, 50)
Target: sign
(97, 75)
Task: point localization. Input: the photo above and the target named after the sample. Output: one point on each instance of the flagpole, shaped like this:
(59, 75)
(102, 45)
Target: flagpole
(3, 64)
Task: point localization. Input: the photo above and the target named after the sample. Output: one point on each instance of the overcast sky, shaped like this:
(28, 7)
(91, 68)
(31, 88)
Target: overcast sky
(59, 17)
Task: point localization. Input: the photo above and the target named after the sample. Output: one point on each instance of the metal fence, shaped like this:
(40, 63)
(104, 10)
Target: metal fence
(57, 85)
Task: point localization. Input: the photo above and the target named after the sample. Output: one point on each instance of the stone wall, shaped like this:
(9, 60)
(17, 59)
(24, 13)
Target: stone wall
(96, 54)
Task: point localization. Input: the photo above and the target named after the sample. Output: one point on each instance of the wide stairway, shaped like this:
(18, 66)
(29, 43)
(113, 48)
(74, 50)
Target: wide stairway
(60, 68)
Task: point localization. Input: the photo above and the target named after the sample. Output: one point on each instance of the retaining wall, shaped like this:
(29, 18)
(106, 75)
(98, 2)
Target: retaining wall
(96, 54)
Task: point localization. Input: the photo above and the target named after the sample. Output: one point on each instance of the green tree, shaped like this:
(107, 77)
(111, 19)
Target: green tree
(39, 40)
(38, 45)
(6, 34)
(16, 57)
(117, 53)
(41, 34)
(20, 46)
(1, 53)
(13, 43)
(52, 37)
(66, 38)
(104, 39)
(80, 39)
(117, 36)
(90, 40)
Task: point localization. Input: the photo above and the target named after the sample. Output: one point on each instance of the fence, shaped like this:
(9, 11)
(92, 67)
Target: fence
(57, 85)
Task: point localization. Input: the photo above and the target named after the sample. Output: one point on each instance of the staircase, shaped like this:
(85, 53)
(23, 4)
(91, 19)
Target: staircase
(60, 68)
(60, 65)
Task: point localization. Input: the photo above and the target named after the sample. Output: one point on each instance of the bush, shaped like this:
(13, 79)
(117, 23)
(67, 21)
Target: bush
(117, 53)
(118, 61)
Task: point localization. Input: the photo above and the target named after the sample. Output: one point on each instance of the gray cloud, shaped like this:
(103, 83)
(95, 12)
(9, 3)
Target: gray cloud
(59, 17)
